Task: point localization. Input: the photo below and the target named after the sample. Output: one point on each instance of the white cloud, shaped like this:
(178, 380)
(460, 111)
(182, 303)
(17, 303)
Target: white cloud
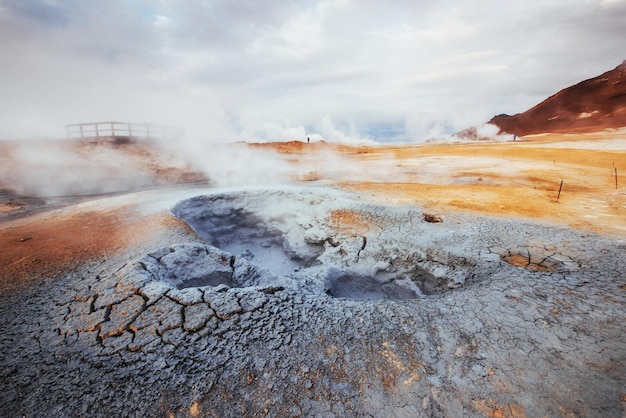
(298, 38)
(233, 70)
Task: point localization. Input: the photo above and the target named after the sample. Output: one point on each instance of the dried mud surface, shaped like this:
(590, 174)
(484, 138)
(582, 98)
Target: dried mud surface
(315, 301)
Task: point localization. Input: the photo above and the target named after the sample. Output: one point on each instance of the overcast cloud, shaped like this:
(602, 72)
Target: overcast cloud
(227, 70)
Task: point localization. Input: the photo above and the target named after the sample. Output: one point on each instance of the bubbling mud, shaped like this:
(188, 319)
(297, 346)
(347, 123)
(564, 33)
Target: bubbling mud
(357, 287)
(412, 284)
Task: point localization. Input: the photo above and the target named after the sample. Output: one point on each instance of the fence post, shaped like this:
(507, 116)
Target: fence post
(559, 195)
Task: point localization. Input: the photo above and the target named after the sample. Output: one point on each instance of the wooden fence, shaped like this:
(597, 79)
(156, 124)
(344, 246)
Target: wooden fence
(121, 130)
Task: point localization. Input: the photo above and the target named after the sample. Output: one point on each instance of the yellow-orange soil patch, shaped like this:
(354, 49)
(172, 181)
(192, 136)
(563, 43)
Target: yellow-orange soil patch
(518, 179)
(50, 246)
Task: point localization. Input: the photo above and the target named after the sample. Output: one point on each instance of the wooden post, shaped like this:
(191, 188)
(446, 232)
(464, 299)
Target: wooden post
(97, 132)
(615, 178)
(559, 195)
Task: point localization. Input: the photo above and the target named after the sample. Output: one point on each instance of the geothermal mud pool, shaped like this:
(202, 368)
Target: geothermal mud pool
(313, 302)
(314, 243)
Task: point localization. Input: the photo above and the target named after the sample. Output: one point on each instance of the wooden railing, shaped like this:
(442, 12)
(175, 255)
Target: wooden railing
(121, 130)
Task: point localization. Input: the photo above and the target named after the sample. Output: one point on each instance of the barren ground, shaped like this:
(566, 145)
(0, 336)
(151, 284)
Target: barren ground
(506, 179)
(524, 315)
(518, 179)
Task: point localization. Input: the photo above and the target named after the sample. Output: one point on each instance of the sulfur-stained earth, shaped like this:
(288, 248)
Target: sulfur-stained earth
(333, 296)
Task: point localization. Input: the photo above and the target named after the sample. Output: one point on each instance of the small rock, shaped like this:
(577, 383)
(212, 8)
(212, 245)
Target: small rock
(143, 337)
(429, 217)
(153, 291)
(165, 314)
(173, 336)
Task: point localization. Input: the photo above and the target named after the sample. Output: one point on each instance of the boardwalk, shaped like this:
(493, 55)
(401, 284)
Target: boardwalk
(121, 130)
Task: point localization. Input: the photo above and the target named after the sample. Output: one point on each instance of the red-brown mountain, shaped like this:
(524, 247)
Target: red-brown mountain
(590, 106)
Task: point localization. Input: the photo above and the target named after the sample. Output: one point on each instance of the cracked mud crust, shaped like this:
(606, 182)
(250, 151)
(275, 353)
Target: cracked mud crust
(470, 317)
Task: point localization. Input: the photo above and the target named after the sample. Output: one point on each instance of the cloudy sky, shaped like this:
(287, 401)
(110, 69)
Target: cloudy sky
(276, 70)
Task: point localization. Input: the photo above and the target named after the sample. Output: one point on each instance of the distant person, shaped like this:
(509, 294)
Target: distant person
(308, 140)
(514, 137)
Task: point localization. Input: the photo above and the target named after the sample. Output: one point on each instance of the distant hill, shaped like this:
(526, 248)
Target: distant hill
(590, 106)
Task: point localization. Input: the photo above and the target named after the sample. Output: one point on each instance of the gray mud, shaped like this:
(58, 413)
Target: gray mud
(276, 308)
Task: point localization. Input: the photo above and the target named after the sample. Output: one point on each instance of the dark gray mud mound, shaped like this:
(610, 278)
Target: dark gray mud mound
(193, 266)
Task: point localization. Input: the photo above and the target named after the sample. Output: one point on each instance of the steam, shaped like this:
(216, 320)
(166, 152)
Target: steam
(330, 131)
(44, 168)
(484, 132)
(235, 164)
(489, 130)
(259, 131)
(61, 168)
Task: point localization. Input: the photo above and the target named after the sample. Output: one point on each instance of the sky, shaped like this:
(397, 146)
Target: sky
(275, 70)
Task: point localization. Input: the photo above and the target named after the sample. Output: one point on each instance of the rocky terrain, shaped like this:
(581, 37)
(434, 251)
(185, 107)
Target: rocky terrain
(311, 302)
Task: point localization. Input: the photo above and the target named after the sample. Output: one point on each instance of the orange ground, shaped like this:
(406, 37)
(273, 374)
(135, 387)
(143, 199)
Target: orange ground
(47, 245)
(511, 179)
